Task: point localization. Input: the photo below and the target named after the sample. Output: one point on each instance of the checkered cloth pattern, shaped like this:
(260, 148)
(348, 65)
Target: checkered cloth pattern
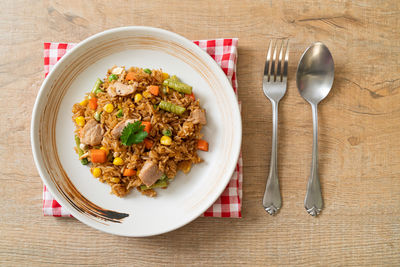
(224, 52)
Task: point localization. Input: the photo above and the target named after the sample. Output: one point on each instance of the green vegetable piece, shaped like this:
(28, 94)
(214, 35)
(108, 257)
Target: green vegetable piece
(178, 86)
(161, 183)
(165, 89)
(178, 110)
(133, 133)
(120, 113)
(166, 132)
(96, 86)
(148, 71)
(97, 115)
(112, 77)
(78, 143)
(174, 78)
(84, 161)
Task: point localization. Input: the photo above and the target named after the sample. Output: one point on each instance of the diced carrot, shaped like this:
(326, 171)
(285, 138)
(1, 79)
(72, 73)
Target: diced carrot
(192, 96)
(154, 89)
(129, 172)
(147, 126)
(93, 103)
(148, 143)
(202, 145)
(131, 76)
(98, 155)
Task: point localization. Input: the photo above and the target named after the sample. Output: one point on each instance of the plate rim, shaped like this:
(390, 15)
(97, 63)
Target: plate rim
(181, 40)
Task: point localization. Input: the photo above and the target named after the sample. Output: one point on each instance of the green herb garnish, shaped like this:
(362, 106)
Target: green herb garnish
(148, 71)
(133, 133)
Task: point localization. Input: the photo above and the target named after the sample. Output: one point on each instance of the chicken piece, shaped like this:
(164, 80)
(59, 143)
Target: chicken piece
(120, 89)
(198, 116)
(117, 131)
(92, 133)
(150, 173)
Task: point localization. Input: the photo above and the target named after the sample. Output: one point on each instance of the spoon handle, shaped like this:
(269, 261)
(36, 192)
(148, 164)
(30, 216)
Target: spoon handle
(313, 201)
(272, 197)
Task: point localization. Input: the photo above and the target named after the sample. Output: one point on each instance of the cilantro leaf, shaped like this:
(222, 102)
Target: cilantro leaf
(139, 137)
(133, 133)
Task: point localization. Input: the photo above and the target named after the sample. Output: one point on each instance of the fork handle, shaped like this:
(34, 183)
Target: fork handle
(313, 201)
(272, 197)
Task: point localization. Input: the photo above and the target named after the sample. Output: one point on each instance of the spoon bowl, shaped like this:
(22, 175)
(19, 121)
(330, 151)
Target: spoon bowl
(315, 73)
(314, 79)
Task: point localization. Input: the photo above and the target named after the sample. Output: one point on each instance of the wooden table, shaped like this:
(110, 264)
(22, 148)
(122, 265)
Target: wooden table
(359, 135)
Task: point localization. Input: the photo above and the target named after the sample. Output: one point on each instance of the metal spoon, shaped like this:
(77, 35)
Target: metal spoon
(314, 79)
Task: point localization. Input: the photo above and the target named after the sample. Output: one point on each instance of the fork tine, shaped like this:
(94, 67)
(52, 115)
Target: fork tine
(285, 65)
(266, 68)
(273, 76)
(279, 68)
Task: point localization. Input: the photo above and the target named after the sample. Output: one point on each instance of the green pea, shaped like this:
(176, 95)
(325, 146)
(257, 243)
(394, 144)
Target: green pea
(166, 132)
(148, 71)
(84, 161)
(120, 113)
(98, 91)
(112, 77)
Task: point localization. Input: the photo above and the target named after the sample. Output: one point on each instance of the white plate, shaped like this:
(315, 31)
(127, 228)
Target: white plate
(71, 183)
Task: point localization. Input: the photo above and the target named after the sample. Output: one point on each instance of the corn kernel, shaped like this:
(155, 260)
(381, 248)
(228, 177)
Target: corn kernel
(96, 172)
(146, 94)
(165, 76)
(105, 149)
(115, 180)
(80, 121)
(186, 166)
(138, 97)
(118, 161)
(84, 103)
(166, 140)
(108, 108)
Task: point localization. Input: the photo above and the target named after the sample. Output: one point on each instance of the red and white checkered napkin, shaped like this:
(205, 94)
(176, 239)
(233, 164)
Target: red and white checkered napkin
(224, 52)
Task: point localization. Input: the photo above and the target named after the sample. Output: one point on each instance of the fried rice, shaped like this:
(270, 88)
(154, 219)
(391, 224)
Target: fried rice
(182, 132)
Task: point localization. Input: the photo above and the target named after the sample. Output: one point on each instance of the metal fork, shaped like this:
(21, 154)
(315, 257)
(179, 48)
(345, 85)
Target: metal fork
(274, 86)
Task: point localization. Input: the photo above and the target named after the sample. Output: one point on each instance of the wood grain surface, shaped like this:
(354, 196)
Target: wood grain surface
(359, 135)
